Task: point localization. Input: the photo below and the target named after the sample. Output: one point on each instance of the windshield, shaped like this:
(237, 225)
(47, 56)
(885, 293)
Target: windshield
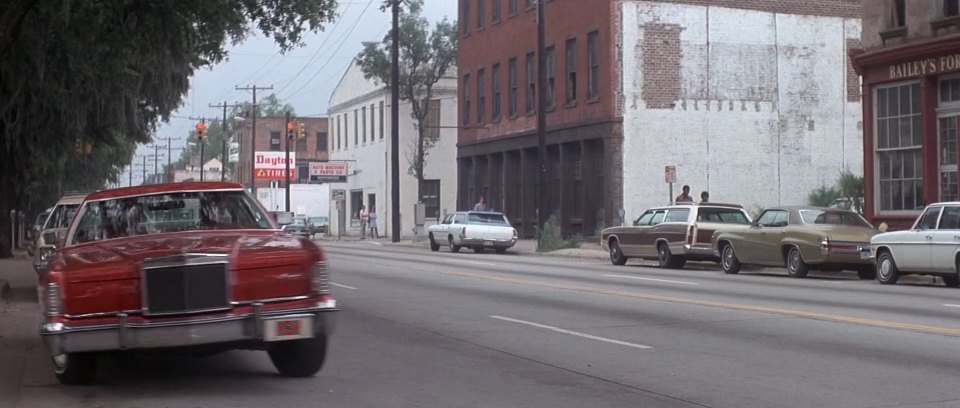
(171, 212)
(833, 218)
(487, 218)
(299, 221)
(61, 216)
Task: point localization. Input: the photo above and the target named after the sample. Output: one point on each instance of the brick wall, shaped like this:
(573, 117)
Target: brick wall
(827, 8)
(661, 65)
(853, 80)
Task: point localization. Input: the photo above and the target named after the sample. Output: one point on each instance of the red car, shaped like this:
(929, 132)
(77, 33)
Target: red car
(190, 266)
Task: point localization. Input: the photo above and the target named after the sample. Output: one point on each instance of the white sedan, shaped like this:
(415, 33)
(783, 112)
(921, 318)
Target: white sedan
(478, 230)
(931, 247)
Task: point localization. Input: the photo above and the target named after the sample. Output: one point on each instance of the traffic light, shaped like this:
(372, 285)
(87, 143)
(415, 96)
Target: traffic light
(303, 131)
(201, 131)
(290, 129)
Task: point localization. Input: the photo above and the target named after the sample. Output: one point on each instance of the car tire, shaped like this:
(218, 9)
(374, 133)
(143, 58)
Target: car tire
(667, 259)
(616, 254)
(76, 368)
(478, 249)
(299, 358)
(867, 273)
(887, 271)
(434, 246)
(453, 248)
(952, 281)
(796, 267)
(500, 250)
(728, 260)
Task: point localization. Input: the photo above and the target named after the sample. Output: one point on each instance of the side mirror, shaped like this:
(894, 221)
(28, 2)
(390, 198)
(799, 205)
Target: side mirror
(283, 218)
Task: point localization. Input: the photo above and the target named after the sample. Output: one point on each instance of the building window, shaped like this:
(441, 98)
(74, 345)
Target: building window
(512, 79)
(356, 200)
(431, 121)
(465, 21)
(363, 123)
(481, 10)
(301, 144)
(512, 7)
(381, 121)
(356, 127)
(571, 71)
(899, 150)
(898, 12)
(481, 95)
(496, 93)
(346, 130)
(373, 120)
(496, 12)
(551, 77)
(275, 141)
(593, 62)
(530, 4)
(430, 197)
(531, 83)
(339, 133)
(466, 100)
(951, 8)
(948, 158)
(321, 141)
(949, 91)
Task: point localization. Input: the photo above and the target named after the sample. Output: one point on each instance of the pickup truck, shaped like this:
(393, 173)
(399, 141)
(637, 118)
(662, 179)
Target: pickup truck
(478, 230)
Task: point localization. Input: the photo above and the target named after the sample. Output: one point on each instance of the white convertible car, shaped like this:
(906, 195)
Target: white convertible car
(473, 229)
(931, 247)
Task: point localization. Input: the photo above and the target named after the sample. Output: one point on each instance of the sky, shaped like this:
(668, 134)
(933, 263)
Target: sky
(303, 77)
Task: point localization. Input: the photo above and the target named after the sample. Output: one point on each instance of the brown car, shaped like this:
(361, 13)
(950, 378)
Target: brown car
(673, 234)
(800, 238)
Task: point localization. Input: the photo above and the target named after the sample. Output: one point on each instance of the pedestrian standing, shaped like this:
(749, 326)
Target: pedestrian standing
(704, 196)
(364, 217)
(481, 205)
(684, 196)
(373, 222)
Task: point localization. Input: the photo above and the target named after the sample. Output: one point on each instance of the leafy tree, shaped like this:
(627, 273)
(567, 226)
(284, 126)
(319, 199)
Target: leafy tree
(425, 58)
(107, 72)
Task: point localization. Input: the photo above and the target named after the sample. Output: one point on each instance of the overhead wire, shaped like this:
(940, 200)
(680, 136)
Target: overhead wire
(317, 52)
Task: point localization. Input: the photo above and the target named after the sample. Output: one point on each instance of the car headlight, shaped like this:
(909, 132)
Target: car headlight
(320, 278)
(45, 254)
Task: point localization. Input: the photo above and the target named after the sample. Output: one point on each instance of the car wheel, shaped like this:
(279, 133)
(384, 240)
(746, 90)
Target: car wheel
(953, 281)
(500, 250)
(434, 246)
(453, 248)
(867, 273)
(667, 259)
(728, 260)
(75, 368)
(616, 255)
(887, 271)
(478, 249)
(796, 267)
(299, 358)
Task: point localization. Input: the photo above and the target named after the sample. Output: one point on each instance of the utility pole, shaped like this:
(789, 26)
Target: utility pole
(395, 125)
(253, 131)
(223, 127)
(289, 137)
(166, 178)
(156, 157)
(144, 180)
(541, 123)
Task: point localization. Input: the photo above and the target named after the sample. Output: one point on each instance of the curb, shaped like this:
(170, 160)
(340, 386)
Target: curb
(408, 244)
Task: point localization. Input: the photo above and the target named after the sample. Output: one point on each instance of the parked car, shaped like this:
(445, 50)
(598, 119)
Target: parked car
(931, 247)
(299, 227)
(320, 225)
(35, 230)
(478, 230)
(800, 238)
(186, 266)
(52, 229)
(673, 234)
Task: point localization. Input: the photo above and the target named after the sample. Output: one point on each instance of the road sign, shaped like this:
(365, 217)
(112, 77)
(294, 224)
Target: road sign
(274, 160)
(670, 174)
(276, 174)
(339, 195)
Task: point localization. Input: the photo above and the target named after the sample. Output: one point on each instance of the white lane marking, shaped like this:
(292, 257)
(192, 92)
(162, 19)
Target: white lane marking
(472, 262)
(950, 305)
(374, 243)
(564, 331)
(651, 279)
(343, 286)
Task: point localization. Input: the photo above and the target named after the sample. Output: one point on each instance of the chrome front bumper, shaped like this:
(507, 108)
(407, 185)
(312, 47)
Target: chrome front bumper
(866, 252)
(123, 335)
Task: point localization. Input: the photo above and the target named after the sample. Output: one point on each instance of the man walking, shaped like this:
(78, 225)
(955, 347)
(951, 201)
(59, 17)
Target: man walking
(364, 217)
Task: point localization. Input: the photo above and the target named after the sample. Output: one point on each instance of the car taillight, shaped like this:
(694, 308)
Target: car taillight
(54, 300)
(514, 234)
(320, 278)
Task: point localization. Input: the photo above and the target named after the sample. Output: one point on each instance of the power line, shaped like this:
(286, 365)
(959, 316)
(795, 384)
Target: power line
(317, 52)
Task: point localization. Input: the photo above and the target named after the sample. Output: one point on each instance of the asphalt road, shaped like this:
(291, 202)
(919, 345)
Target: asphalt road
(484, 330)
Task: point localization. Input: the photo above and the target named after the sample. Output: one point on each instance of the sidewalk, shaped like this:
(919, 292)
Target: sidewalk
(526, 247)
(10, 271)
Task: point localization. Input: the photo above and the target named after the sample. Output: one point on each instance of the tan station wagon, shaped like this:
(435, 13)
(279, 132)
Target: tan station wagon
(673, 234)
(800, 238)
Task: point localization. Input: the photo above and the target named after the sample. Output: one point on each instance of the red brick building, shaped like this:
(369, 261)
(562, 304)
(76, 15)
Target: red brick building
(497, 143)
(910, 64)
(270, 137)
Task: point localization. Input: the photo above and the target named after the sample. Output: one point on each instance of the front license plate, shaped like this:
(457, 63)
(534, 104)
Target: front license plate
(488, 243)
(288, 329)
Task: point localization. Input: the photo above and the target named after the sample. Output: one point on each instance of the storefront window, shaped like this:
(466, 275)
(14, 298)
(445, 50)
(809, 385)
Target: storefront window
(948, 158)
(899, 148)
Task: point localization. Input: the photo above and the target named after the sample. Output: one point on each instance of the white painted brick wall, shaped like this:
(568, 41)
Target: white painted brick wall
(764, 117)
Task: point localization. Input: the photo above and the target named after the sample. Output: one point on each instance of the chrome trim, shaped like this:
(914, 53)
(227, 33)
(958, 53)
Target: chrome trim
(123, 331)
(103, 314)
(186, 259)
(258, 320)
(271, 300)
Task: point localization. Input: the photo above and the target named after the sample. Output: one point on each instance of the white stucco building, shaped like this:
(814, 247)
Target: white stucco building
(758, 107)
(359, 123)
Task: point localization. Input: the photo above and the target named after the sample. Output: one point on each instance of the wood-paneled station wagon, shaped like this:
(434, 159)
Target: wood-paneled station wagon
(800, 238)
(192, 266)
(673, 234)
(930, 247)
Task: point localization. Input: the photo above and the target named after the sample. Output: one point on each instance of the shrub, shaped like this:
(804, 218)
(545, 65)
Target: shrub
(551, 239)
